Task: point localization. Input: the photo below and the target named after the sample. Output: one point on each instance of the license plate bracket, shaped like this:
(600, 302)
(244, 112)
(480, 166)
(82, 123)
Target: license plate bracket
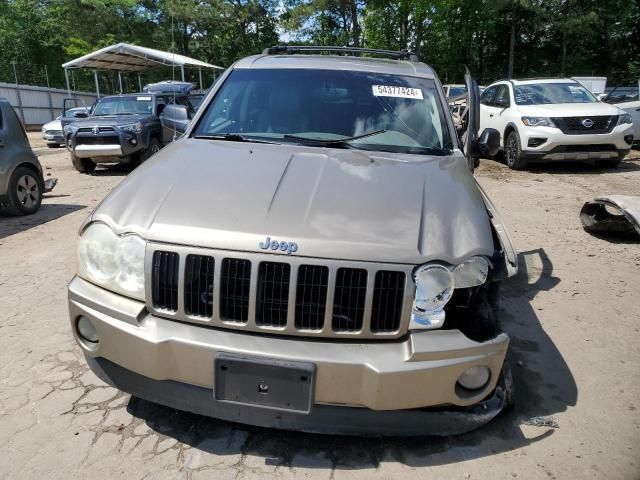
(264, 382)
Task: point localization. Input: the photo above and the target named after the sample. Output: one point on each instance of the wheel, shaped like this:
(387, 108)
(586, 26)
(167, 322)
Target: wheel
(152, 149)
(506, 381)
(25, 192)
(513, 152)
(83, 165)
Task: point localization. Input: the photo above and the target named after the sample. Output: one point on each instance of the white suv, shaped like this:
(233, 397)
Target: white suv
(554, 119)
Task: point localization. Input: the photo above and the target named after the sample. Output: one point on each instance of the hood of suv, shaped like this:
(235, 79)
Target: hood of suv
(109, 120)
(343, 204)
(569, 110)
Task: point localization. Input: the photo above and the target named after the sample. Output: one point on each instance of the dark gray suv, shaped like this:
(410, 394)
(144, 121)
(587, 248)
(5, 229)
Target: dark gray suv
(21, 181)
(120, 128)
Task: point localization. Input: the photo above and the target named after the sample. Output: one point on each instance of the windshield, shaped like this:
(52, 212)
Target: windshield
(457, 90)
(294, 105)
(546, 93)
(142, 104)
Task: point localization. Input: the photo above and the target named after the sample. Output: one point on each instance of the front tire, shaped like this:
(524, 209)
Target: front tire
(83, 165)
(152, 149)
(25, 192)
(513, 152)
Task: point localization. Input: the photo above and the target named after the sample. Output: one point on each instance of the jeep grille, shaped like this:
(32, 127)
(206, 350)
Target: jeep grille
(292, 296)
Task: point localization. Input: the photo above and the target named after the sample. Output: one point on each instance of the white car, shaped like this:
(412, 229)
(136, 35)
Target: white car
(628, 99)
(554, 119)
(52, 131)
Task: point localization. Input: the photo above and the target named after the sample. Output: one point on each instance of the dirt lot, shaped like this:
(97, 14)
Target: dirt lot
(572, 313)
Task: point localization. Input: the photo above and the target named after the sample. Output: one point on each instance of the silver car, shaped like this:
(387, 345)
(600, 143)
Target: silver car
(314, 253)
(21, 181)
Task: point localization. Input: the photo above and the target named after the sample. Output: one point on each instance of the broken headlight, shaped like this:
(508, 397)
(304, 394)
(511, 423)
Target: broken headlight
(115, 262)
(435, 284)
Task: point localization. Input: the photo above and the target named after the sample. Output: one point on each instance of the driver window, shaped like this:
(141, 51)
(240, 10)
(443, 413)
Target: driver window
(488, 96)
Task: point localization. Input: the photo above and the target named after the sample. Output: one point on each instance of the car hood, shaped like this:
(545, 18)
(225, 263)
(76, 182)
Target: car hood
(53, 125)
(569, 110)
(343, 204)
(109, 120)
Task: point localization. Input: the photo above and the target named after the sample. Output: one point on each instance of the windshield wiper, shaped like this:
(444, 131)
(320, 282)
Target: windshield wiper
(335, 142)
(232, 137)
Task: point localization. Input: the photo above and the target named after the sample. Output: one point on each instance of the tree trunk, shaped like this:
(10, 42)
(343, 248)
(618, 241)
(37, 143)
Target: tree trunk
(563, 59)
(355, 26)
(512, 46)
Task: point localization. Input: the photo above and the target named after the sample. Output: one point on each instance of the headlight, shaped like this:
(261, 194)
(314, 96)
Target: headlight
(434, 287)
(624, 118)
(111, 261)
(131, 128)
(537, 122)
(44, 128)
(70, 129)
(435, 284)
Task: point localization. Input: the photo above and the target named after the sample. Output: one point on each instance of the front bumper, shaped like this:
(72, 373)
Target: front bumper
(561, 146)
(53, 138)
(355, 385)
(108, 147)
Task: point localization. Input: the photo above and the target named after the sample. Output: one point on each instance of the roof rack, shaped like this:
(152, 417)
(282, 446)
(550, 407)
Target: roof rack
(288, 49)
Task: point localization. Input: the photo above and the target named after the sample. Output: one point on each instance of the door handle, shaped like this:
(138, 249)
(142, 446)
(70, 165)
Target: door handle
(637, 109)
(491, 115)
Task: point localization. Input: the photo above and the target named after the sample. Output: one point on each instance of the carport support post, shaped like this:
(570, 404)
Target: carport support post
(182, 71)
(139, 83)
(46, 74)
(200, 75)
(66, 77)
(15, 74)
(120, 81)
(95, 76)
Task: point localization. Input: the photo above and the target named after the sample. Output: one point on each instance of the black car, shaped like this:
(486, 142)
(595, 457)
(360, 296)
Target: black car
(120, 128)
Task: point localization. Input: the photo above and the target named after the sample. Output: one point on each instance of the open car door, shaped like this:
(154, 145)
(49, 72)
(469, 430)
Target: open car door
(475, 144)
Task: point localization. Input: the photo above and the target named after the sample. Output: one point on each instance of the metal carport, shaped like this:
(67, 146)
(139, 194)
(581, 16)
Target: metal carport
(123, 57)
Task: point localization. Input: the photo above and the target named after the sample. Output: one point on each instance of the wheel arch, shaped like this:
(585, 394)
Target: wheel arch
(510, 127)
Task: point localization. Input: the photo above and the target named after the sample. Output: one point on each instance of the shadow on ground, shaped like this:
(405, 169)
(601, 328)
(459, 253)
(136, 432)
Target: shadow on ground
(544, 386)
(11, 225)
(576, 167)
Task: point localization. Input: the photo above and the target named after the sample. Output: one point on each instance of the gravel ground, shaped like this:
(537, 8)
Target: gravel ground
(572, 313)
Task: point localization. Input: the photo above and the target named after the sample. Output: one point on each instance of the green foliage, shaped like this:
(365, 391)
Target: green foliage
(538, 37)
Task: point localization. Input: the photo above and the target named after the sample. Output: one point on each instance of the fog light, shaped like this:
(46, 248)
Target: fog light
(628, 139)
(474, 378)
(86, 330)
(133, 141)
(536, 142)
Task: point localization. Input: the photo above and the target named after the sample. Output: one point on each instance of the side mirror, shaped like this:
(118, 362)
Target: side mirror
(489, 142)
(501, 103)
(175, 112)
(80, 114)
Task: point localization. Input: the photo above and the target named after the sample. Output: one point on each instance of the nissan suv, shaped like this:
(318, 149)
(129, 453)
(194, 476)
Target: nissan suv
(314, 253)
(554, 119)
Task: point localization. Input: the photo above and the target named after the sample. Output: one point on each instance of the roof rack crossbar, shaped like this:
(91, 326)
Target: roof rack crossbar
(288, 49)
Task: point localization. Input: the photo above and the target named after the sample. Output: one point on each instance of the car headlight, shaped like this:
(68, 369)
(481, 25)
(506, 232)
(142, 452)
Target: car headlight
(44, 128)
(435, 284)
(115, 262)
(624, 118)
(70, 129)
(537, 122)
(132, 127)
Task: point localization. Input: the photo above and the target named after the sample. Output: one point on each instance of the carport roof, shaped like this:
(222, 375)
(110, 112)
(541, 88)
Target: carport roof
(124, 57)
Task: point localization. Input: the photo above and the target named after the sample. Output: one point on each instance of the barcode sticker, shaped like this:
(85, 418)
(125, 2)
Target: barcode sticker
(398, 92)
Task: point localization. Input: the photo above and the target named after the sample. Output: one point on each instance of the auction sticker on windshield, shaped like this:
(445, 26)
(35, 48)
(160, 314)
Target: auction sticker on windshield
(143, 99)
(398, 92)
